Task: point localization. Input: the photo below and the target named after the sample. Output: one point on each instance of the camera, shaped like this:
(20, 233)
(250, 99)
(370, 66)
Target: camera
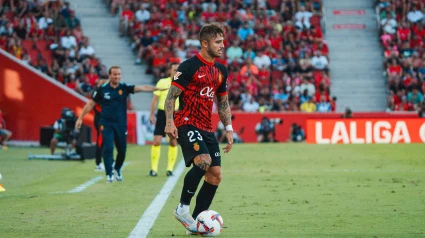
(69, 119)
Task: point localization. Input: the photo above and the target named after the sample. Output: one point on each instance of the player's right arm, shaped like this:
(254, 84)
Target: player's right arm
(87, 108)
(96, 97)
(170, 102)
(180, 80)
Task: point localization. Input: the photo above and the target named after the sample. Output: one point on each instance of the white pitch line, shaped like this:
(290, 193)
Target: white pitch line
(149, 216)
(89, 183)
(85, 185)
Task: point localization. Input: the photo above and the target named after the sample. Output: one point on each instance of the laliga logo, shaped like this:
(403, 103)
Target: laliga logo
(207, 91)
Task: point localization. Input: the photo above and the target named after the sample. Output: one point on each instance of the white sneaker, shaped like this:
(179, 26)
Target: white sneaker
(186, 220)
(110, 178)
(118, 176)
(100, 167)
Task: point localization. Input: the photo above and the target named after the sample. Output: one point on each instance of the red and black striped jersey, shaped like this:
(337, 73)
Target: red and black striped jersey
(200, 81)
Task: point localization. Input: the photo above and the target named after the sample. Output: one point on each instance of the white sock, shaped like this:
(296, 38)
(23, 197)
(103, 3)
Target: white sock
(182, 209)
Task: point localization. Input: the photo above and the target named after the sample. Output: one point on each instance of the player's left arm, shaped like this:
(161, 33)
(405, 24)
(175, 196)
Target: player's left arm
(147, 88)
(224, 113)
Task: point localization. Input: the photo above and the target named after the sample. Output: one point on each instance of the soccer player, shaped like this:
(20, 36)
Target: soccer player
(159, 99)
(112, 97)
(197, 81)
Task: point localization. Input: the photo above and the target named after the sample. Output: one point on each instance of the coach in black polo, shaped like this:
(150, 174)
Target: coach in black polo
(112, 97)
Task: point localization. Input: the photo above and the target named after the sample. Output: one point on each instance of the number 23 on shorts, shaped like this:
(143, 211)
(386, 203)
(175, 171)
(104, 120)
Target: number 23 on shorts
(193, 135)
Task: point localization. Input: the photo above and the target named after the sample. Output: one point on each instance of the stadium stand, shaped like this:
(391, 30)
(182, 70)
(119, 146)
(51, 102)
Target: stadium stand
(48, 36)
(402, 37)
(275, 50)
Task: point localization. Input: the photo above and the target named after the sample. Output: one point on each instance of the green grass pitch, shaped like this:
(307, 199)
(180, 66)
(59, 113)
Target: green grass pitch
(268, 190)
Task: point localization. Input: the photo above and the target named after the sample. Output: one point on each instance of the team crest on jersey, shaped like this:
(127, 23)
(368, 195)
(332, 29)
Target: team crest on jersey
(120, 92)
(220, 78)
(176, 75)
(196, 146)
(101, 127)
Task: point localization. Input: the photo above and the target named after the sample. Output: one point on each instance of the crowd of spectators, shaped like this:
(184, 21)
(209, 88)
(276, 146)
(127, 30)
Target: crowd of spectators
(402, 37)
(276, 54)
(47, 35)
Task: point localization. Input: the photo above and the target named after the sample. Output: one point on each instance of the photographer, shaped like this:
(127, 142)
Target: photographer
(266, 129)
(297, 133)
(64, 130)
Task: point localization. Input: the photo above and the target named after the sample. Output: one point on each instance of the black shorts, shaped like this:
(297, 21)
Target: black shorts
(195, 142)
(160, 124)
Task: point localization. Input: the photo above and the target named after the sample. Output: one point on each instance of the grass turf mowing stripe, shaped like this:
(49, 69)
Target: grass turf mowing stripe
(149, 216)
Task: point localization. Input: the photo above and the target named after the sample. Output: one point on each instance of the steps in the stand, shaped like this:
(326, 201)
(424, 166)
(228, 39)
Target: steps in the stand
(355, 57)
(103, 32)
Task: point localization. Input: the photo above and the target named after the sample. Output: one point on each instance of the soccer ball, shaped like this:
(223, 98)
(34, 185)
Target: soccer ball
(209, 223)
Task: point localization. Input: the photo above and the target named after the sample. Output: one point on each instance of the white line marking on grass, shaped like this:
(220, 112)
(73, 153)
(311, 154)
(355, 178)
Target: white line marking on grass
(149, 216)
(85, 185)
(89, 183)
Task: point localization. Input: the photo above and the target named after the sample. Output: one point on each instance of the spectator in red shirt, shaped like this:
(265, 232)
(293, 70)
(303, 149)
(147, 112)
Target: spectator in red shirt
(72, 82)
(403, 32)
(394, 68)
(92, 76)
(264, 76)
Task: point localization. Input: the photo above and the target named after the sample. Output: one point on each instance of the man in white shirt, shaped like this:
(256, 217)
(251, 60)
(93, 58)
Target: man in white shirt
(86, 49)
(415, 15)
(251, 105)
(302, 18)
(68, 41)
(389, 24)
(319, 62)
(193, 41)
(262, 60)
(44, 21)
(142, 14)
(306, 85)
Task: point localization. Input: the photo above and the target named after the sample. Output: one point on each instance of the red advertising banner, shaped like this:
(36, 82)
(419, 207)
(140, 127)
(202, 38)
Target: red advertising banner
(131, 128)
(366, 131)
(244, 123)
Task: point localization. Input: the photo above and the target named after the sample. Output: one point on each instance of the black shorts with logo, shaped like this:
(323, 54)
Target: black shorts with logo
(160, 123)
(195, 142)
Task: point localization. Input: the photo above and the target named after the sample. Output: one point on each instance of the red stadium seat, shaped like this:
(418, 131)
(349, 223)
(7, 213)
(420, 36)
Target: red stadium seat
(315, 20)
(34, 55)
(27, 44)
(42, 44)
(274, 4)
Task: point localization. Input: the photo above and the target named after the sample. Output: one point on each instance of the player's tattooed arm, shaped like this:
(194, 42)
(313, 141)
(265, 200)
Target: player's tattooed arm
(173, 93)
(224, 110)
